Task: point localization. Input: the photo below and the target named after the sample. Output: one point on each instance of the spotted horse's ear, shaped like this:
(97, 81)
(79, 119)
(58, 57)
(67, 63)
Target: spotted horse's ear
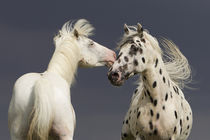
(139, 28)
(126, 29)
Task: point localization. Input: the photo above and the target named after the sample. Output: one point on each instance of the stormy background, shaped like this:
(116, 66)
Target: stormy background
(27, 29)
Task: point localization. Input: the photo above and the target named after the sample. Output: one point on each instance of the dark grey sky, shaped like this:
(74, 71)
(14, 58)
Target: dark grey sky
(27, 29)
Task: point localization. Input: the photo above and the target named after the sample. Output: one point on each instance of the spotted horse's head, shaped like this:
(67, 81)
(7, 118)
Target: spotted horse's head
(137, 52)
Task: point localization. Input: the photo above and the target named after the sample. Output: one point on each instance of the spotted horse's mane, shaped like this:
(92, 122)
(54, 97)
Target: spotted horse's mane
(175, 62)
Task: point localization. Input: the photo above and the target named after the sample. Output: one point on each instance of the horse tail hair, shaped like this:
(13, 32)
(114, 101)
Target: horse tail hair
(176, 64)
(41, 117)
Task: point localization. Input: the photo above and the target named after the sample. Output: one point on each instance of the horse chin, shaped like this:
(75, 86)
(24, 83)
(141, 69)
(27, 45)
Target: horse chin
(117, 83)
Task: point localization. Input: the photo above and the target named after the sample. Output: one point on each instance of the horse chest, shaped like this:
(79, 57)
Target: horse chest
(162, 117)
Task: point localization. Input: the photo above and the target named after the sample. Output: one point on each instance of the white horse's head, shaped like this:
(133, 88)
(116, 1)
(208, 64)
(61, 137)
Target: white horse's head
(91, 53)
(138, 51)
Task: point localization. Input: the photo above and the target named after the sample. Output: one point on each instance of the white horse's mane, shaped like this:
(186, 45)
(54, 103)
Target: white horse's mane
(176, 63)
(83, 27)
(67, 46)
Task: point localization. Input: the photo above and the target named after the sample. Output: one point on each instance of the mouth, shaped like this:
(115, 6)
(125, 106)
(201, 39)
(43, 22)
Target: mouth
(119, 79)
(117, 83)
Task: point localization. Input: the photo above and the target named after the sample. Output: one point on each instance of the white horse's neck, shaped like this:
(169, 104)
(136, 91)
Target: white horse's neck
(65, 60)
(156, 80)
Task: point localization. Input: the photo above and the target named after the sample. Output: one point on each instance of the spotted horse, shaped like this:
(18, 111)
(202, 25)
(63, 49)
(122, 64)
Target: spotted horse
(158, 108)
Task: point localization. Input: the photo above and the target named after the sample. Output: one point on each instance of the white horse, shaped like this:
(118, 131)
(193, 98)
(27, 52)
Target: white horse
(158, 109)
(41, 107)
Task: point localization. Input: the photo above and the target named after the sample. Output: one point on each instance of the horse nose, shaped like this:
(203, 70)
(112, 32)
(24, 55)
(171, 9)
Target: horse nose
(113, 76)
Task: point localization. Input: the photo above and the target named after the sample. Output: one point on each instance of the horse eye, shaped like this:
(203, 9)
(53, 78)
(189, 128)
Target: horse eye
(91, 43)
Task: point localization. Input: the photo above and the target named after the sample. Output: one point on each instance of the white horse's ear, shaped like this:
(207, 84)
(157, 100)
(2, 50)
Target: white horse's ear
(126, 29)
(139, 28)
(76, 34)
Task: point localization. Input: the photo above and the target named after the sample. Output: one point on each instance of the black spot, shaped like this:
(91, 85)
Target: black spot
(164, 79)
(175, 129)
(144, 77)
(163, 107)
(145, 93)
(126, 122)
(137, 41)
(186, 134)
(187, 118)
(148, 92)
(137, 133)
(119, 61)
(158, 116)
(151, 112)
(140, 49)
(175, 113)
(180, 131)
(180, 122)
(135, 62)
(176, 89)
(143, 40)
(136, 90)
(125, 135)
(169, 139)
(154, 84)
(155, 102)
(139, 113)
(143, 60)
(166, 97)
(171, 95)
(119, 56)
(125, 67)
(155, 132)
(123, 122)
(126, 58)
(160, 71)
(150, 125)
(156, 62)
(188, 127)
(151, 99)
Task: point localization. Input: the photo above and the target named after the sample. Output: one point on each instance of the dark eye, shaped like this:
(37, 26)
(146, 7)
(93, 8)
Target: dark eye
(91, 43)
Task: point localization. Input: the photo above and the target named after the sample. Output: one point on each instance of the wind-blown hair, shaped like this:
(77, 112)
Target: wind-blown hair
(175, 62)
(83, 27)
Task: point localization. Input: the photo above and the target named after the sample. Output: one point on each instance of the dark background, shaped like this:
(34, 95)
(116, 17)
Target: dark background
(28, 27)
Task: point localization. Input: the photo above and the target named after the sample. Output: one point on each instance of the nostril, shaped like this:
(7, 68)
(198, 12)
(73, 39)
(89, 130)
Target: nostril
(115, 76)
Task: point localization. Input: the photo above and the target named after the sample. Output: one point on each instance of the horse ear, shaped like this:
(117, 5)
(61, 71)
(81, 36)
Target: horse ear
(139, 28)
(76, 34)
(126, 29)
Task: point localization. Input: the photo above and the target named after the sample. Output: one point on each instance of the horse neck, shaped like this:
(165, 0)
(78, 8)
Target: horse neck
(65, 60)
(156, 80)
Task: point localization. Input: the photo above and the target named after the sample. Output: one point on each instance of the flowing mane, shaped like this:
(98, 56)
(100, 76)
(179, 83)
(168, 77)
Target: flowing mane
(83, 27)
(175, 62)
(62, 41)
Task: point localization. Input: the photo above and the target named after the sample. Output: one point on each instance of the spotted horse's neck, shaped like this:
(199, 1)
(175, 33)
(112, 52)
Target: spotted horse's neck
(156, 82)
